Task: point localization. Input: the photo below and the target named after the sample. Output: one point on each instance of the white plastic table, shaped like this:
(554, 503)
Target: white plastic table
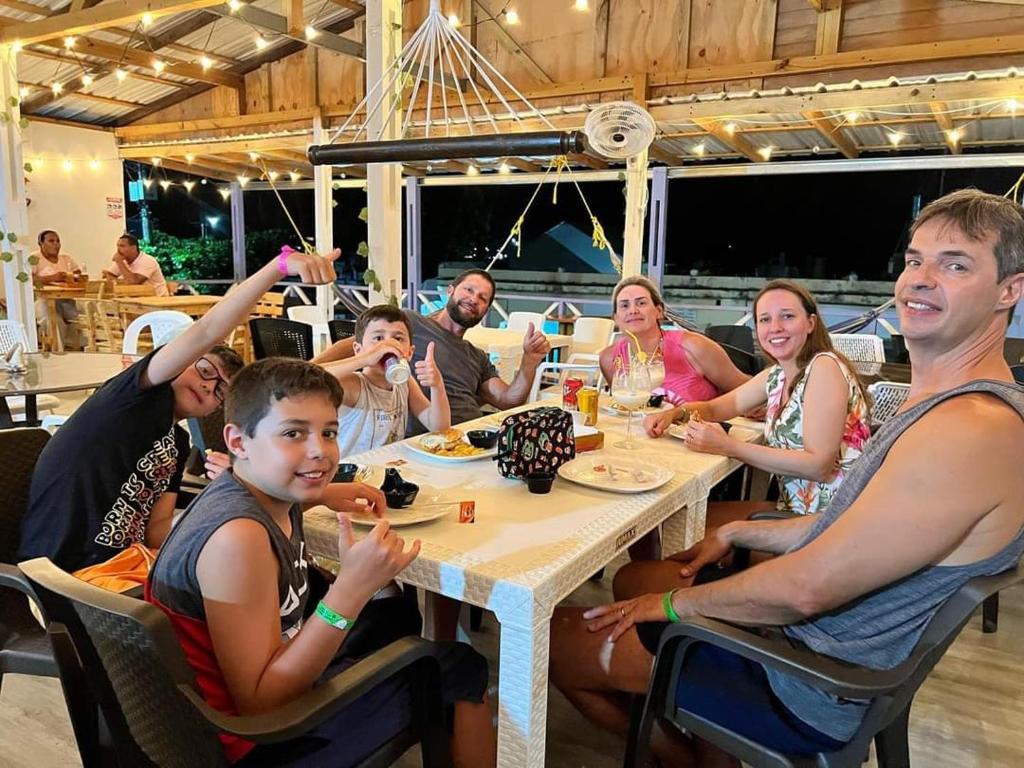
(507, 346)
(527, 552)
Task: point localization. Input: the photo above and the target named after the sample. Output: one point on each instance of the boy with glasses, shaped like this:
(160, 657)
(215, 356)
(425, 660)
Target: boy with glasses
(110, 475)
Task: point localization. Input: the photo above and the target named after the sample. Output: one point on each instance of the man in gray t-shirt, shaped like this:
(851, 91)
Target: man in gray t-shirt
(469, 377)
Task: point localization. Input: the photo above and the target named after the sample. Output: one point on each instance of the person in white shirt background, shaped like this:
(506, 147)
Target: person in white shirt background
(49, 265)
(131, 266)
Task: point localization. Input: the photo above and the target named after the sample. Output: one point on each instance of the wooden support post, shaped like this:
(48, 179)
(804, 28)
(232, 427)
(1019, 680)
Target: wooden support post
(636, 211)
(830, 24)
(323, 217)
(13, 209)
(384, 180)
(731, 138)
(832, 131)
(296, 21)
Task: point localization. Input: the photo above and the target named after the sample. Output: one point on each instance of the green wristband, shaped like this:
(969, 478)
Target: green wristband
(670, 611)
(332, 617)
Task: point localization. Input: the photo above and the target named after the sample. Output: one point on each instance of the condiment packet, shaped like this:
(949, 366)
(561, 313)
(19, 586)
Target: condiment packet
(467, 511)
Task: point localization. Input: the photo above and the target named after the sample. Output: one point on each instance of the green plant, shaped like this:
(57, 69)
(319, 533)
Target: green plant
(7, 241)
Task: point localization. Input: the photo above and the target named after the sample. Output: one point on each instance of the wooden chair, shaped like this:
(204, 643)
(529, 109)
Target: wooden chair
(271, 304)
(103, 327)
(131, 291)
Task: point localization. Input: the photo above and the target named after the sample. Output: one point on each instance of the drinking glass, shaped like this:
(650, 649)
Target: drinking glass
(631, 389)
(656, 369)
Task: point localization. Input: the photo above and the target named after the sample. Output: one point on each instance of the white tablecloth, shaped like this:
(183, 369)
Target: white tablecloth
(527, 552)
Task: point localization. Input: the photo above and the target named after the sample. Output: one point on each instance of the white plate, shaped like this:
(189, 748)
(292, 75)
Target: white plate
(618, 475)
(614, 411)
(414, 446)
(430, 504)
(677, 431)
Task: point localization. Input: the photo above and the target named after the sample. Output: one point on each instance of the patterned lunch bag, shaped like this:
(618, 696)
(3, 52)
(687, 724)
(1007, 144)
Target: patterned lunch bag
(538, 440)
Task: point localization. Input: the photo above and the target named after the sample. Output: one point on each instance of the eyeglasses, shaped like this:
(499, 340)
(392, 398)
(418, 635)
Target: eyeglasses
(209, 372)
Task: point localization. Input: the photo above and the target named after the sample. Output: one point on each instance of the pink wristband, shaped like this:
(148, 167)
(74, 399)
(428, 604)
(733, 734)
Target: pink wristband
(282, 260)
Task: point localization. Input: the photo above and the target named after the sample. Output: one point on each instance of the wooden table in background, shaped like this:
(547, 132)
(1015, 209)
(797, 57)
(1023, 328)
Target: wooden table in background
(194, 306)
(51, 294)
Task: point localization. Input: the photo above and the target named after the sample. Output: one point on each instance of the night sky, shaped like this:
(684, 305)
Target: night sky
(814, 225)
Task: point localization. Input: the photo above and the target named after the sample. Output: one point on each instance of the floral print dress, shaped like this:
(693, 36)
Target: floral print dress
(784, 428)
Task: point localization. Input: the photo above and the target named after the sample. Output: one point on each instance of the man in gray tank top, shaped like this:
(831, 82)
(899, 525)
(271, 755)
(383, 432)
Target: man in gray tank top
(936, 499)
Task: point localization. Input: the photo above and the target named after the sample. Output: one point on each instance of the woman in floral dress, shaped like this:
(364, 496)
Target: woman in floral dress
(817, 409)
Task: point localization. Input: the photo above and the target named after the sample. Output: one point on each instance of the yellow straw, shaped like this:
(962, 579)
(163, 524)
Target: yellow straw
(641, 356)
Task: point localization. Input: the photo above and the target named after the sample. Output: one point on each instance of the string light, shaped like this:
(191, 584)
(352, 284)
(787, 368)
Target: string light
(273, 175)
(294, 175)
(68, 165)
(261, 42)
(766, 152)
(17, 46)
(581, 5)
(159, 65)
(895, 137)
(56, 88)
(225, 192)
(698, 149)
(94, 165)
(852, 117)
(472, 170)
(205, 62)
(511, 16)
(453, 21)
(1012, 105)
(147, 183)
(156, 161)
(243, 180)
(165, 184)
(23, 92)
(311, 32)
(189, 158)
(120, 74)
(730, 128)
(38, 163)
(147, 20)
(234, 5)
(188, 185)
(253, 157)
(954, 135)
(504, 168)
(69, 43)
(87, 80)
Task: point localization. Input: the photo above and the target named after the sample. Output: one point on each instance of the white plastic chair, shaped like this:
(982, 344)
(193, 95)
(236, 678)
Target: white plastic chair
(593, 374)
(311, 315)
(859, 347)
(518, 321)
(592, 334)
(12, 332)
(163, 324)
(886, 399)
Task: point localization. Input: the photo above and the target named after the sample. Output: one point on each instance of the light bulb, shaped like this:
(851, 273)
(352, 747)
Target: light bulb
(253, 157)
(896, 137)
(189, 158)
(273, 175)
(311, 32)
(954, 135)
(158, 65)
(56, 88)
(698, 149)
(472, 170)
(453, 21)
(94, 165)
(730, 128)
(147, 183)
(765, 152)
(581, 5)
(242, 179)
(17, 46)
(165, 184)
(120, 74)
(37, 163)
(504, 168)
(261, 42)
(147, 20)
(1012, 104)
(69, 42)
(87, 80)
(205, 62)
(225, 192)
(23, 92)
(294, 175)
(511, 16)
(68, 165)
(188, 185)
(234, 5)
(852, 117)
(203, 182)
(156, 161)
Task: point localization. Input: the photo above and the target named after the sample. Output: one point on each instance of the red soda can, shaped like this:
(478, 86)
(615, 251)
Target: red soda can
(570, 387)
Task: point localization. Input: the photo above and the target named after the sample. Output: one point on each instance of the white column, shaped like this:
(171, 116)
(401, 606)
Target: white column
(636, 211)
(323, 217)
(13, 210)
(384, 180)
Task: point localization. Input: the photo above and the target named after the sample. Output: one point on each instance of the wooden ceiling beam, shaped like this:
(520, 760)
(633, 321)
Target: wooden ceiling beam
(950, 133)
(133, 151)
(833, 132)
(662, 156)
(732, 139)
(829, 29)
(110, 14)
(197, 169)
(279, 25)
(22, 7)
(350, 5)
(156, 43)
(84, 95)
(513, 46)
(524, 165)
(256, 120)
(588, 160)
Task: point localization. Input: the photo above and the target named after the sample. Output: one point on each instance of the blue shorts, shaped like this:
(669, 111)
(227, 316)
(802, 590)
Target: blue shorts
(734, 692)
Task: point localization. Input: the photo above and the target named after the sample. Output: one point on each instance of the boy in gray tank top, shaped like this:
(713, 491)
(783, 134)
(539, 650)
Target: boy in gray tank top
(918, 515)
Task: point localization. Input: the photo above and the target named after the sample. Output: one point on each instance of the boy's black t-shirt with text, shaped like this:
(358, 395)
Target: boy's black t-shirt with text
(99, 476)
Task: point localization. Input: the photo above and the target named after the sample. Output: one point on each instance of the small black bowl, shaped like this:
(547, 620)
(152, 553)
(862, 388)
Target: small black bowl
(540, 482)
(483, 438)
(401, 495)
(346, 473)
(655, 401)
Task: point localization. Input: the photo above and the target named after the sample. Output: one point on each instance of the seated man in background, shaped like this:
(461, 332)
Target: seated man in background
(859, 581)
(469, 377)
(130, 266)
(110, 475)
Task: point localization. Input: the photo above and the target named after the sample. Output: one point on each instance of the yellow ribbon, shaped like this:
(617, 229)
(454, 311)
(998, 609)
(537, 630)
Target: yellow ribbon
(517, 231)
(560, 163)
(599, 240)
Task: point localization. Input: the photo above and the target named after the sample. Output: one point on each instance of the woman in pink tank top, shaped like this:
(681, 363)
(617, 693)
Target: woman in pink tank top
(696, 368)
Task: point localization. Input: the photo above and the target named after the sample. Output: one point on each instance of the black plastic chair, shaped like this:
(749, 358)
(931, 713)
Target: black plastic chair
(891, 691)
(136, 670)
(277, 337)
(738, 343)
(1018, 373)
(341, 329)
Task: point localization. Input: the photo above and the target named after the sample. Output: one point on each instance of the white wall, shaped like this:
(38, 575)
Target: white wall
(73, 200)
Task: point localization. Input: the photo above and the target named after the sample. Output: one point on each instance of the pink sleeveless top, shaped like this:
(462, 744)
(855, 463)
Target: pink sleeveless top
(683, 383)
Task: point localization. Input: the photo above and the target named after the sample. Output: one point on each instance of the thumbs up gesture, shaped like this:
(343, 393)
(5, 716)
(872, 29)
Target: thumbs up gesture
(427, 372)
(535, 345)
(369, 564)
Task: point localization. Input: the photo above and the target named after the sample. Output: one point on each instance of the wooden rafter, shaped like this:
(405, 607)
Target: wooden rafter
(818, 5)
(950, 133)
(99, 71)
(524, 165)
(197, 170)
(85, 95)
(233, 122)
(23, 7)
(656, 152)
(588, 160)
(510, 44)
(829, 29)
(279, 25)
(135, 151)
(732, 139)
(110, 14)
(350, 5)
(833, 133)
(164, 41)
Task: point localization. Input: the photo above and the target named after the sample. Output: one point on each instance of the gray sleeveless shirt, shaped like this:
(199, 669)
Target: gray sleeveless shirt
(880, 630)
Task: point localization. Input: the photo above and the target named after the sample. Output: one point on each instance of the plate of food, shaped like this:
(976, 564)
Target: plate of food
(453, 446)
(429, 504)
(655, 404)
(610, 473)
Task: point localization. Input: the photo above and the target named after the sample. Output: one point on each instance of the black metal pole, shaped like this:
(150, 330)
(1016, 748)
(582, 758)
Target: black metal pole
(549, 143)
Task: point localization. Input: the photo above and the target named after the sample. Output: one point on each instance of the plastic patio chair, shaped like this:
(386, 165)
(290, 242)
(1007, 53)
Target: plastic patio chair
(341, 329)
(738, 343)
(12, 332)
(859, 347)
(886, 399)
(137, 672)
(891, 691)
(164, 325)
(592, 334)
(519, 321)
(591, 371)
(277, 337)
